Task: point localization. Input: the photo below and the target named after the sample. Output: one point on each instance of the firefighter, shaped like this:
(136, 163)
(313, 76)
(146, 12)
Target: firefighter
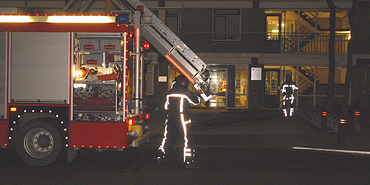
(288, 89)
(177, 104)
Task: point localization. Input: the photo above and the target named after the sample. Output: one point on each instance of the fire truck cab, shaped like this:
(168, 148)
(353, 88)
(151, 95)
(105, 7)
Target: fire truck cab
(68, 82)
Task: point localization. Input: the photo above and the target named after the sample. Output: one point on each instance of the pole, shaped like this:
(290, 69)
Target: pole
(137, 23)
(324, 122)
(341, 133)
(142, 76)
(356, 120)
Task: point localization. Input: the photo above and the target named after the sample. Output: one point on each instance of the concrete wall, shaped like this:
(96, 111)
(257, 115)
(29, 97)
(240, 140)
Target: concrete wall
(197, 26)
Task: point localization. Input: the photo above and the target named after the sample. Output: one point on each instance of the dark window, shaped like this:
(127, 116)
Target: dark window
(226, 25)
(172, 20)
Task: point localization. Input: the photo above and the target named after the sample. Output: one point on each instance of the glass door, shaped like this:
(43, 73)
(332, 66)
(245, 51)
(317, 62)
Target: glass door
(218, 86)
(241, 88)
(272, 94)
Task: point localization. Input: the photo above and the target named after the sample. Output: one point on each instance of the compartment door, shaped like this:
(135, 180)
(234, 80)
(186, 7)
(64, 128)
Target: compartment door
(40, 66)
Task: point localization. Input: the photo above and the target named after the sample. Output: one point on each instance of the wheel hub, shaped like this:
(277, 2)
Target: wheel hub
(38, 142)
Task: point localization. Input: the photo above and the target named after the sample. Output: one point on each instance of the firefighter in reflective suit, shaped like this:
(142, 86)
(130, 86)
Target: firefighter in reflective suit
(288, 89)
(177, 104)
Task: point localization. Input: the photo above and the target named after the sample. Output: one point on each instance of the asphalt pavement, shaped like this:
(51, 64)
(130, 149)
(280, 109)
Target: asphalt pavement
(233, 147)
(262, 129)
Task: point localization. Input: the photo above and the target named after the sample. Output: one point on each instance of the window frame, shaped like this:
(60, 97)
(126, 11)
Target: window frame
(228, 36)
(177, 16)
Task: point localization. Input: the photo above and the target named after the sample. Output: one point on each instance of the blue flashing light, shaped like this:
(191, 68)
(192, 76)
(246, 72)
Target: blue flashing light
(123, 19)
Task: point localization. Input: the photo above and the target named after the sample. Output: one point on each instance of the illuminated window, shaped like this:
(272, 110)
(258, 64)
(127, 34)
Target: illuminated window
(273, 27)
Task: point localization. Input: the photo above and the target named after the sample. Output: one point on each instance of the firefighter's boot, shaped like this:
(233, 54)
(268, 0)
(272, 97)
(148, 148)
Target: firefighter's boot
(192, 165)
(160, 158)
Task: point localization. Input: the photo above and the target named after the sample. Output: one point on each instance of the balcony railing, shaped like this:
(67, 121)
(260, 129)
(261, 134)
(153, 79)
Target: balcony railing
(262, 42)
(313, 43)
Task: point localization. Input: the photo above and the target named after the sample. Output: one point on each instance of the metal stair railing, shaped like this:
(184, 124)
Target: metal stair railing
(304, 82)
(314, 116)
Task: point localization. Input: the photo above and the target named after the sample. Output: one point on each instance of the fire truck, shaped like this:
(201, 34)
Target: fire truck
(70, 82)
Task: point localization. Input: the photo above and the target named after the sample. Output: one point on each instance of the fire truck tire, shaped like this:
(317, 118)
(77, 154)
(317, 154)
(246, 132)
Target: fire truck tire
(39, 143)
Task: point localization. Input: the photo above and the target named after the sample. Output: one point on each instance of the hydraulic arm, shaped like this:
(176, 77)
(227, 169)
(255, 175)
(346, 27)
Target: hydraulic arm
(169, 45)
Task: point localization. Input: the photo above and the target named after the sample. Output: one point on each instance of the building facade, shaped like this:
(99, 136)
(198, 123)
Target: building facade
(250, 47)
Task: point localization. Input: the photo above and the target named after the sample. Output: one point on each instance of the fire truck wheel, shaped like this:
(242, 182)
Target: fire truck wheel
(38, 143)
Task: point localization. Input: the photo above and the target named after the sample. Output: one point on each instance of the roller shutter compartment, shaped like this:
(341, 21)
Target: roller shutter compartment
(40, 66)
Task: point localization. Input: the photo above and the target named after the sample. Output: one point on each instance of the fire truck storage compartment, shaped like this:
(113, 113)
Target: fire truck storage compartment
(95, 97)
(93, 59)
(110, 44)
(95, 93)
(2, 75)
(40, 66)
(89, 44)
(105, 135)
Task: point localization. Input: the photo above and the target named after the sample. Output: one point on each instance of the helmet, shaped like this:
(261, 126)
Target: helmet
(180, 79)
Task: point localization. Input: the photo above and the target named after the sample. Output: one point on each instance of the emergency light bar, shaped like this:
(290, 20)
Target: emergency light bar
(58, 19)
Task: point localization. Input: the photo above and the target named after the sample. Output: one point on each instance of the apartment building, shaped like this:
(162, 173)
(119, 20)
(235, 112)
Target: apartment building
(269, 38)
(250, 47)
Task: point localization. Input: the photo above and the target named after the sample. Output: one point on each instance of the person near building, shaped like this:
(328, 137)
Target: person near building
(177, 104)
(288, 89)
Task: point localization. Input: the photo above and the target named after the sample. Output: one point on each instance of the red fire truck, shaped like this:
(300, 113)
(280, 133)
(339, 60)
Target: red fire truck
(66, 84)
(76, 81)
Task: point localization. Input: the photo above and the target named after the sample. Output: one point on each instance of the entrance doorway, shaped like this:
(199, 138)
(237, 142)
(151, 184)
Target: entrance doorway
(221, 86)
(272, 93)
(218, 82)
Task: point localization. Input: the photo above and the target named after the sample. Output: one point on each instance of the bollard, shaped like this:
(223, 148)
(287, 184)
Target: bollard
(356, 120)
(324, 122)
(341, 133)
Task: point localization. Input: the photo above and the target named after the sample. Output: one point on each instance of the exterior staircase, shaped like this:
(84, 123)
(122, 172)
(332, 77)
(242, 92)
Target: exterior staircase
(305, 79)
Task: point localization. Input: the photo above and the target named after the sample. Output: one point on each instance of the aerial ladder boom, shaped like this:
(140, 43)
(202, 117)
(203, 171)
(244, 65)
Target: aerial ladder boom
(170, 46)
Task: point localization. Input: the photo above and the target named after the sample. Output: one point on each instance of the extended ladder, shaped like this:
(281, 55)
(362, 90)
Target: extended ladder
(169, 45)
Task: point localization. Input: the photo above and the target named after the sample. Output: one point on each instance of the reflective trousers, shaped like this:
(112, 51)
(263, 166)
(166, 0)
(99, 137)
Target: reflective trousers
(288, 108)
(172, 129)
